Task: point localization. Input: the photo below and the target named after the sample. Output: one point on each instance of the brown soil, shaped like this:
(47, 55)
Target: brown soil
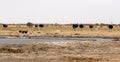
(84, 51)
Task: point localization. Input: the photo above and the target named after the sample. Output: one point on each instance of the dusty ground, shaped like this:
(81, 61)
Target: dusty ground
(62, 31)
(84, 51)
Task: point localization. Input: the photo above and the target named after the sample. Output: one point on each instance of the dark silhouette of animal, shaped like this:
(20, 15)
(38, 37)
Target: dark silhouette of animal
(20, 31)
(5, 26)
(81, 26)
(36, 25)
(110, 26)
(23, 31)
(41, 25)
(75, 26)
(91, 26)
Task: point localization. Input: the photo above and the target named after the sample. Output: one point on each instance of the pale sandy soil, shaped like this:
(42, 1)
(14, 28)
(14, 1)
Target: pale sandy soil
(84, 51)
(59, 33)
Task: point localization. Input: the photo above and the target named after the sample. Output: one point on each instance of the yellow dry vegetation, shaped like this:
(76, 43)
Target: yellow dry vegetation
(64, 31)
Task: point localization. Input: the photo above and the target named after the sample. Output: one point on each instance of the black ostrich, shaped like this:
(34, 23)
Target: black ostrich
(5, 26)
(23, 31)
(36, 25)
(41, 26)
(81, 26)
(110, 27)
(20, 31)
(91, 26)
(75, 26)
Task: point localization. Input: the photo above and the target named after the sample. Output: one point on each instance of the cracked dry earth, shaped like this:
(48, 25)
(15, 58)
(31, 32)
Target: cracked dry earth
(83, 51)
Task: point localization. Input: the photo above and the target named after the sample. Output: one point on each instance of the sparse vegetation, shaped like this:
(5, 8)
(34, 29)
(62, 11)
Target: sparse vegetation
(65, 51)
(64, 30)
(29, 24)
(83, 51)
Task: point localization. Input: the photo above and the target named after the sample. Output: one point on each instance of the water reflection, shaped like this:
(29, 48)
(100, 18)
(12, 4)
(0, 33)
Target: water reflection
(47, 39)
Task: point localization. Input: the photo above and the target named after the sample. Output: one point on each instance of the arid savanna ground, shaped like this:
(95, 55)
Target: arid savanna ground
(84, 51)
(76, 51)
(61, 31)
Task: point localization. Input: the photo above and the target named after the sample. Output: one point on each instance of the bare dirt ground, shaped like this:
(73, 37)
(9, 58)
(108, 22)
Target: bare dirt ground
(83, 51)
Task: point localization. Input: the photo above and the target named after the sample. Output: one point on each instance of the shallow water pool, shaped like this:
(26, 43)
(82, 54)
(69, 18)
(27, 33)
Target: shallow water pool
(47, 39)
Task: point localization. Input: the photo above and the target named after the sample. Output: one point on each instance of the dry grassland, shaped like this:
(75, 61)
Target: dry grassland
(63, 31)
(84, 51)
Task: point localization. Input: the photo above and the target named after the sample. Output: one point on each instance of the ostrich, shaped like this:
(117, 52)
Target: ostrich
(41, 25)
(110, 27)
(5, 26)
(75, 26)
(91, 26)
(23, 31)
(81, 26)
(20, 31)
(36, 25)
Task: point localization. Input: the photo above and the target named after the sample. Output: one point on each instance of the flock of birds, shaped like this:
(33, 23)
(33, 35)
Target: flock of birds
(74, 26)
(90, 26)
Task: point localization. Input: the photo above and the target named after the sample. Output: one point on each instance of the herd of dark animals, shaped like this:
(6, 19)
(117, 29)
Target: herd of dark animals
(74, 26)
(24, 31)
(81, 26)
(90, 26)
